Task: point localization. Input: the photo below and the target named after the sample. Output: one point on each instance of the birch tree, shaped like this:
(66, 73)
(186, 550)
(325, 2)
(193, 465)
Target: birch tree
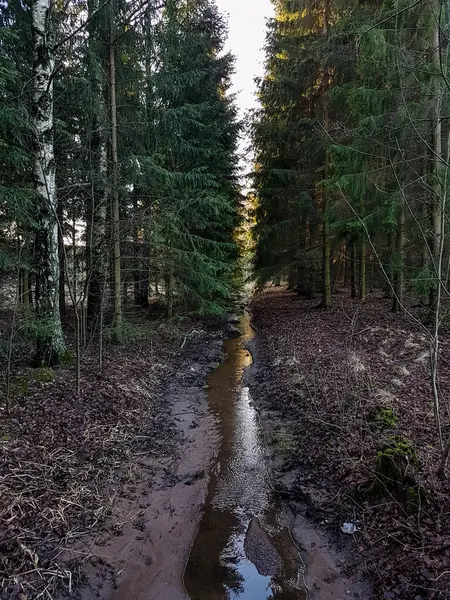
(50, 346)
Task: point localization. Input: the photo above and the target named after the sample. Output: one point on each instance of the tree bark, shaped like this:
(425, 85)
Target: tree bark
(50, 340)
(62, 262)
(115, 191)
(326, 296)
(96, 253)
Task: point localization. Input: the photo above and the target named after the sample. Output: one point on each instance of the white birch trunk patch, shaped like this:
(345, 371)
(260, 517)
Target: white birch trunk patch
(50, 336)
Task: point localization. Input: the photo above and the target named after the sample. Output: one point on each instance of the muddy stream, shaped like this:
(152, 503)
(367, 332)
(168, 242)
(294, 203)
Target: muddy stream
(241, 550)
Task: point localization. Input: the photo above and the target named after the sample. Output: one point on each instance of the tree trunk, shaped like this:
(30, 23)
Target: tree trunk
(438, 223)
(96, 253)
(354, 271)
(169, 294)
(362, 270)
(50, 343)
(436, 202)
(390, 272)
(345, 274)
(25, 289)
(62, 262)
(115, 191)
(362, 256)
(399, 277)
(25, 275)
(372, 274)
(145, 280)
(326, 296)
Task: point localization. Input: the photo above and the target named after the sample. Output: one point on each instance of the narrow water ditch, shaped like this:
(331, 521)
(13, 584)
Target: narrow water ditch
(241, 549)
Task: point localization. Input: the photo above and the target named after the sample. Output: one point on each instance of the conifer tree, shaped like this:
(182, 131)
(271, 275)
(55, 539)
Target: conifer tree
(190, 175)
(120, 164)
(290, 146)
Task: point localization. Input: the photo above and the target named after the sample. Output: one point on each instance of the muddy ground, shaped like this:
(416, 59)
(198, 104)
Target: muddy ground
(100, 493)
(145, 560)
(332, 388)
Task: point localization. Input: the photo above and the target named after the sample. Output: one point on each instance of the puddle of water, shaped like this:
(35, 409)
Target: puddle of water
(241, 551)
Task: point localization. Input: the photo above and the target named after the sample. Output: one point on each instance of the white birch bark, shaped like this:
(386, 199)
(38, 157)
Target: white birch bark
(51, 345)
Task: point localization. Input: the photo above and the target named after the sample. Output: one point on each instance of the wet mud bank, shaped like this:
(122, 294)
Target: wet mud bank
(332, 570)
(157, 515)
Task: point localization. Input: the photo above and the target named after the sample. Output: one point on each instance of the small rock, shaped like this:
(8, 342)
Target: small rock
(349, 528)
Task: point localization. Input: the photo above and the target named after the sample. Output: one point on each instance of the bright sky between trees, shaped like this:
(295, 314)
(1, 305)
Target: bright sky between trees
(247, 30)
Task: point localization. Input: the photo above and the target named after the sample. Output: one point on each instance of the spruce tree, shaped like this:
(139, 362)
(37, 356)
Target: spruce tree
(290, 147)
(190, 174)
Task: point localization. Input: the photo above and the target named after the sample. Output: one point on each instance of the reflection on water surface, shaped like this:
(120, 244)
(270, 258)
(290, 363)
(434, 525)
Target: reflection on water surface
(239, 490)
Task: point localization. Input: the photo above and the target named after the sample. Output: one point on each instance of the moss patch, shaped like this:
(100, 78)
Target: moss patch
(386, 417)
(19, 386)
(393, 460)
(42, 375)
(67, 359)
(285, 443)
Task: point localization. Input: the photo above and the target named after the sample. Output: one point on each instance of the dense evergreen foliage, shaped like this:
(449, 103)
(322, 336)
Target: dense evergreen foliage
(132, 100)
(351, 145)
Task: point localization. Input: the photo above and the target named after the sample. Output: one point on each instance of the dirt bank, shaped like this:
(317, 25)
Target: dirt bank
(146, 559)
(106, 488)
(331, 388)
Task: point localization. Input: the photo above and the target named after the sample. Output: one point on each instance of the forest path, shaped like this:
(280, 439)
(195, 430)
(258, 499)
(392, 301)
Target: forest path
(209, 525)
(145, 561)
(247, 545)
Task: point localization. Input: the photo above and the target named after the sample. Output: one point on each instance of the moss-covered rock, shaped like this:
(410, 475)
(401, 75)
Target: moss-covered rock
(386, 417)
(394, 458)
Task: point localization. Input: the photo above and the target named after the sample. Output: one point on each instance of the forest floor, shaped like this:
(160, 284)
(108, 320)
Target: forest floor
(96, 486)
(332, 388)
(101, 493)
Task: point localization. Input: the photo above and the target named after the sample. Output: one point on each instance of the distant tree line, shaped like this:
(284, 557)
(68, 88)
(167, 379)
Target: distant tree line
(352, 147)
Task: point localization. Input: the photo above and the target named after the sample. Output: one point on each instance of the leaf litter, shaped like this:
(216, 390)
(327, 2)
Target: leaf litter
(338, 384)
(64, 459)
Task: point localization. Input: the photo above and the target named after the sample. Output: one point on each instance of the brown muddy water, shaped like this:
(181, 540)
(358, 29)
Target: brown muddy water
(241, 550)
